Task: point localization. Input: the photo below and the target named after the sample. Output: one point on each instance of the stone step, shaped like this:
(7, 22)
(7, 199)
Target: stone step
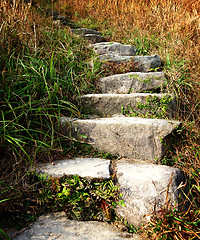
(94, 38)
(138, 138)
(143, 63)
(146, 189)
(132, 82)
(107, 105)
(114, 48)
(83, 31)
(89, 34)
(56, 226)
(84, 167)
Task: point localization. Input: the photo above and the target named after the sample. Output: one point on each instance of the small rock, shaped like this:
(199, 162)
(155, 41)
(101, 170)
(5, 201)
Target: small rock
(55, 226)
(146, 63)
(84, 167)
(144, 189)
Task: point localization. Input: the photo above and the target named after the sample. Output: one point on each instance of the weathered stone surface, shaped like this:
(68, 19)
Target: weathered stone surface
(94, 38)
(139, 138)
(143, 63)
(84, 31)
(107, 105)
(55, 226)
(144, 189)
(84, 167)
(114, 58)
(132, 82)
(114, 48)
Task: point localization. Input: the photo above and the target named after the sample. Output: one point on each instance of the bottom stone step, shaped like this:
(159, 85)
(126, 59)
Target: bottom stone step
(139, 138)
(147, 188)
(56, 226)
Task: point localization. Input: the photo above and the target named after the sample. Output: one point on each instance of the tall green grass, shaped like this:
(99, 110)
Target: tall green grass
(36, 89)
(43, 69)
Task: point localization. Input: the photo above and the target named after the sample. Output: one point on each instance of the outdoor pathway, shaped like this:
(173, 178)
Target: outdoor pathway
(129, 119)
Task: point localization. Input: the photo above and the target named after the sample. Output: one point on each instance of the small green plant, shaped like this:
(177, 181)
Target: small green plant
(80, 198)
(130, 228)
(153, 108)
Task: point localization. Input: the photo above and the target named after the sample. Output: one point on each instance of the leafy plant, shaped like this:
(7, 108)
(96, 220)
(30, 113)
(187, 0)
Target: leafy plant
(154, 107)
(81, 198)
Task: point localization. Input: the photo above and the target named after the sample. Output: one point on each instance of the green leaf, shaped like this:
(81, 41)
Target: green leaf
(2, 233)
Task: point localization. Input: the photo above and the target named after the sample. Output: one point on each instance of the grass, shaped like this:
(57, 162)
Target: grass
(43, 68)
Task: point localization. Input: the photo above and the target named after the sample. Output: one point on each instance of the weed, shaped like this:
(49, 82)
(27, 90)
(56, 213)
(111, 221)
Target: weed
(81, 198)
(172, 225)
(153, 107)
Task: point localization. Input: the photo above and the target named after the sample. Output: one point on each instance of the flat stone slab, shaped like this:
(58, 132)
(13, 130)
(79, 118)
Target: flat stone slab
(138, 138)
(144, 189)
(114, 58)
(132, 82)
(143, 63)
(93, 38)
(54, 226)
(107, 105)
(83, 31)
(84, 167)
(114, 48)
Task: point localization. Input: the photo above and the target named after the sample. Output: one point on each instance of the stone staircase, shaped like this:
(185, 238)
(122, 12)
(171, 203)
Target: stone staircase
(115, 126)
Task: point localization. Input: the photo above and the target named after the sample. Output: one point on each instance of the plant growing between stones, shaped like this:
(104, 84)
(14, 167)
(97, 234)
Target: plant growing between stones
(154, 107)
(80, 198)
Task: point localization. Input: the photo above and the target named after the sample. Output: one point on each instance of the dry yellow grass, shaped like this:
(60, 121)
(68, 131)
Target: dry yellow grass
(171, 27)
(19, 26)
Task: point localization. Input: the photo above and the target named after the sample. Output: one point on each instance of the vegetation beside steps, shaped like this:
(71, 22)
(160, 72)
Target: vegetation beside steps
(44, 68)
